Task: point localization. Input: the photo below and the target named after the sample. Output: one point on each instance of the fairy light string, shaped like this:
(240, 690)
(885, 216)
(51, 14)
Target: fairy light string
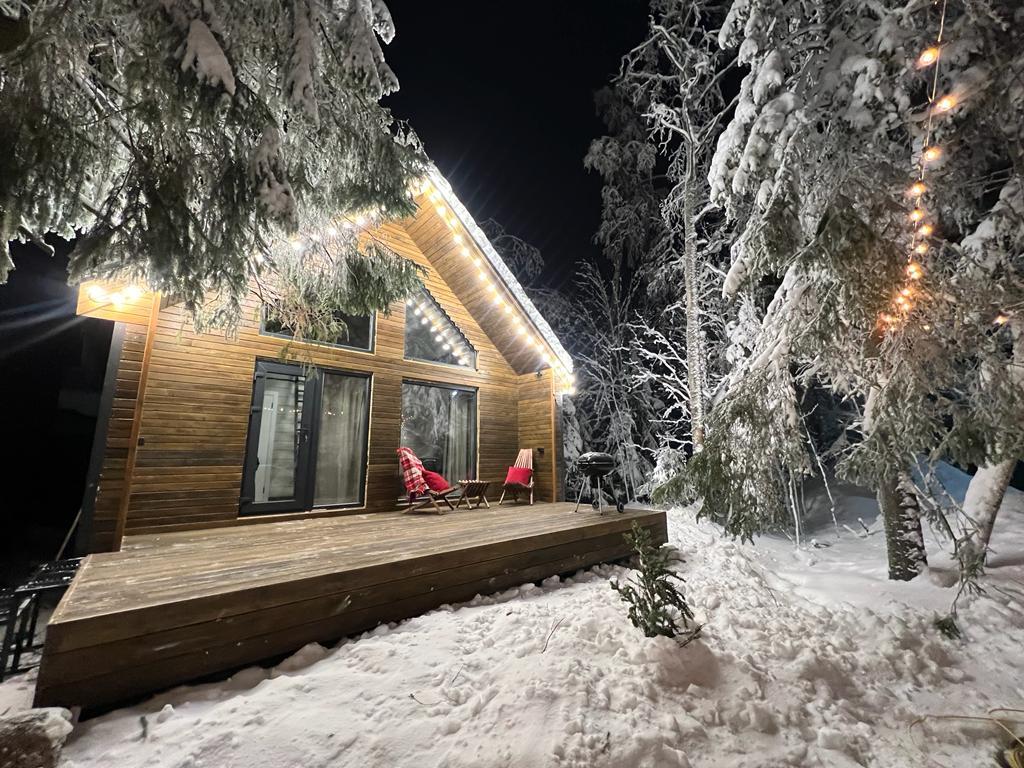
(923, 229)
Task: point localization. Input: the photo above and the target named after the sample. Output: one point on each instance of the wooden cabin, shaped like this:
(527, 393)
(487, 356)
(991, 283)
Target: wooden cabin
(199, 429)
(240, 505)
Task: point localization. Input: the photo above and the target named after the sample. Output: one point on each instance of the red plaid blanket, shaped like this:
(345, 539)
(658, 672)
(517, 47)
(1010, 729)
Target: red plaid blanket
(412, 472)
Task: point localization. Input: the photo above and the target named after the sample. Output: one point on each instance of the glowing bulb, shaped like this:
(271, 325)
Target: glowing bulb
(1001, 319)
(498, 300)
(925, 230)
(508, 309)
(945, 104)
(914, 271)
(417, 311)
(439, 338)
(926, 327)
(298, 246)
(360, 221)
(521, 331)
(921, 248)
(441, 210)
(906, 292)
(457, 238)
(885, 317)
(409, 302)
(482, 276)
(571, 390)
(133, 293)
(931, 154)
(465, 251)
(916, 215)
(917, 189)
(476, 262)
(423, 321)
(117, 298)
(928, 56)
(98, 294)
(332, 231)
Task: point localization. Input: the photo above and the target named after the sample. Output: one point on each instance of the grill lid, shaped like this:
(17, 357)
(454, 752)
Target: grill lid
(595, 464)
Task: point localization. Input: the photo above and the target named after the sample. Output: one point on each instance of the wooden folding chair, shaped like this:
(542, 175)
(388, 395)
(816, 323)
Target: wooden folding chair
(515, 481)
(415, 485)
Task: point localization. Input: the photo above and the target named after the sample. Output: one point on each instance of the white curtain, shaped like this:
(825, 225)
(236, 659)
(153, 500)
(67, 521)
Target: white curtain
(342, 441)
(458, 458)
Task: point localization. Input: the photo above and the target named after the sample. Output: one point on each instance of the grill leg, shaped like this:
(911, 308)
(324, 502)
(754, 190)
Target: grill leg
(597, 492)
(580, 494)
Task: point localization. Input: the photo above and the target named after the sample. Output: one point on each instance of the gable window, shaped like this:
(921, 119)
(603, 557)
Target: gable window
(439, 425)
(431, 335)
(356, 330)
(307, 441)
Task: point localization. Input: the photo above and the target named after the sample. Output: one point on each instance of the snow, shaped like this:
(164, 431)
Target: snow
(203, 54)
(809, 657)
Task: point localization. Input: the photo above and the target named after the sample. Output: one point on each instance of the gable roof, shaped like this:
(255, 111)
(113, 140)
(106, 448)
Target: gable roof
(442, 189)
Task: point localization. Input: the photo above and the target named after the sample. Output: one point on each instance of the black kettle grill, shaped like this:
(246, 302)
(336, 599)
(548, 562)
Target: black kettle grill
(595, 467)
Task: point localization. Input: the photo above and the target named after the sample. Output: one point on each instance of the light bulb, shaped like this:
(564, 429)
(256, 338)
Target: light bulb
(931, 154)
(921, 248)
(98, 294)
(917, 189)
(423, 321)
(298, 246)
(926, 327)
(1001, 319)
(441, 210)
(418, 311)
(925, 230)
(916, 215)
(482, 276)
(117, 298)
(360, 221)
(439, 338)
(446, 346)
(133, 293)
(945, 104)
(914, 271)
(465, 251)
(457, 238)
(906, 292)
(332, 231)
(928, 56)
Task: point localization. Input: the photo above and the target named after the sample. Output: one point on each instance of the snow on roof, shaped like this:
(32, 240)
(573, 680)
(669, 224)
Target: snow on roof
(507, 277)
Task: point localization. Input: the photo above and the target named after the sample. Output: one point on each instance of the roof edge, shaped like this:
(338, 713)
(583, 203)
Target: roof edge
(509, 279)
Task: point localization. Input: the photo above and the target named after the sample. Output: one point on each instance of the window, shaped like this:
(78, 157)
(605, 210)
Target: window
(307, 439)
(439, 425)
(357, 330)
(432, 336)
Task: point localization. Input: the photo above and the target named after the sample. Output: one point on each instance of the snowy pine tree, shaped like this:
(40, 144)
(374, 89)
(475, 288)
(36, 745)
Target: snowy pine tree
(179, 141)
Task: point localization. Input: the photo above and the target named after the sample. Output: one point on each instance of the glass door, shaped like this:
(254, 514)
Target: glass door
(279, 435)
(307, 444)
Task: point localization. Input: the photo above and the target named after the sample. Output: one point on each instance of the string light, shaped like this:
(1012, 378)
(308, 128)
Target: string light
(928, 56)
(931, 154)
(921, 248)
(945, 104)
(925, 230)
(916, 215)
(1001, 319)
(97, 294)
(914, 271)
(917, 189)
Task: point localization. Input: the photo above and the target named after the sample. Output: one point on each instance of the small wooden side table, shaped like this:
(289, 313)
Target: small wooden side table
(474, 492)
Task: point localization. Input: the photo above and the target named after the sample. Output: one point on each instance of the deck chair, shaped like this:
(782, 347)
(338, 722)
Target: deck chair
(415, 485)
(517, 480)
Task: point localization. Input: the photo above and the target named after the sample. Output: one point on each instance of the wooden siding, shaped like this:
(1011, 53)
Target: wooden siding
(191, 447)
(105, 527)
(536, 430)
(175, 606)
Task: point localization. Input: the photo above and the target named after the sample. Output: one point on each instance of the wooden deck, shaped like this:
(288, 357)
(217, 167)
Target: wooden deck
(172, 607)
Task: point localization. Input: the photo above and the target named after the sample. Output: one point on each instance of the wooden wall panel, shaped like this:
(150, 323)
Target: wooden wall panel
(110, 490)
(188, 468)
(537, 430)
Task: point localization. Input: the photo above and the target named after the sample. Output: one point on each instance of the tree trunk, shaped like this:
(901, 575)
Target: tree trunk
(988, 486)
(694, 347)
(981, 504)
(904, 541)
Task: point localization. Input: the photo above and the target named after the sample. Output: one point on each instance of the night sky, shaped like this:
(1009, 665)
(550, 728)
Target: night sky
(502, 95)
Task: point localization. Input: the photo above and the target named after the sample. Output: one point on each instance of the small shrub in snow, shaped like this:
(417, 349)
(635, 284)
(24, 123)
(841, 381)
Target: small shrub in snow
(656, 604)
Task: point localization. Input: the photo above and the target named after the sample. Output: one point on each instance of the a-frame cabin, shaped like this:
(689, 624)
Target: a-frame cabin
(240, 505)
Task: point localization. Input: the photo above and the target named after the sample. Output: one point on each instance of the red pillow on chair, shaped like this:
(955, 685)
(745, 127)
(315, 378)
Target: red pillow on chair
(434, 481)
(518, 476)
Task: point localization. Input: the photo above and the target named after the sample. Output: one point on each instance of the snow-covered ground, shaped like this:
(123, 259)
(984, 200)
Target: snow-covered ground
(809, 657)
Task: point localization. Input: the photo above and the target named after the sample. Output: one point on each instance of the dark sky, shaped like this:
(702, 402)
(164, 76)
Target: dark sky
(502, 96)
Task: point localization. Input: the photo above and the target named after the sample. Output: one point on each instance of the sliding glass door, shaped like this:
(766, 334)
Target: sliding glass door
(439, 425)
(307, 439)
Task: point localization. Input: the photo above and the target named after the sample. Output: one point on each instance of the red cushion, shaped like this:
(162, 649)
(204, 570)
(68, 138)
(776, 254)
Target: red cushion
(434, 481)
(519, 475)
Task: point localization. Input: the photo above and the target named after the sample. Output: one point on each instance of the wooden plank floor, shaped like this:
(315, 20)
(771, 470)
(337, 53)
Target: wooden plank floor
(172, 607)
